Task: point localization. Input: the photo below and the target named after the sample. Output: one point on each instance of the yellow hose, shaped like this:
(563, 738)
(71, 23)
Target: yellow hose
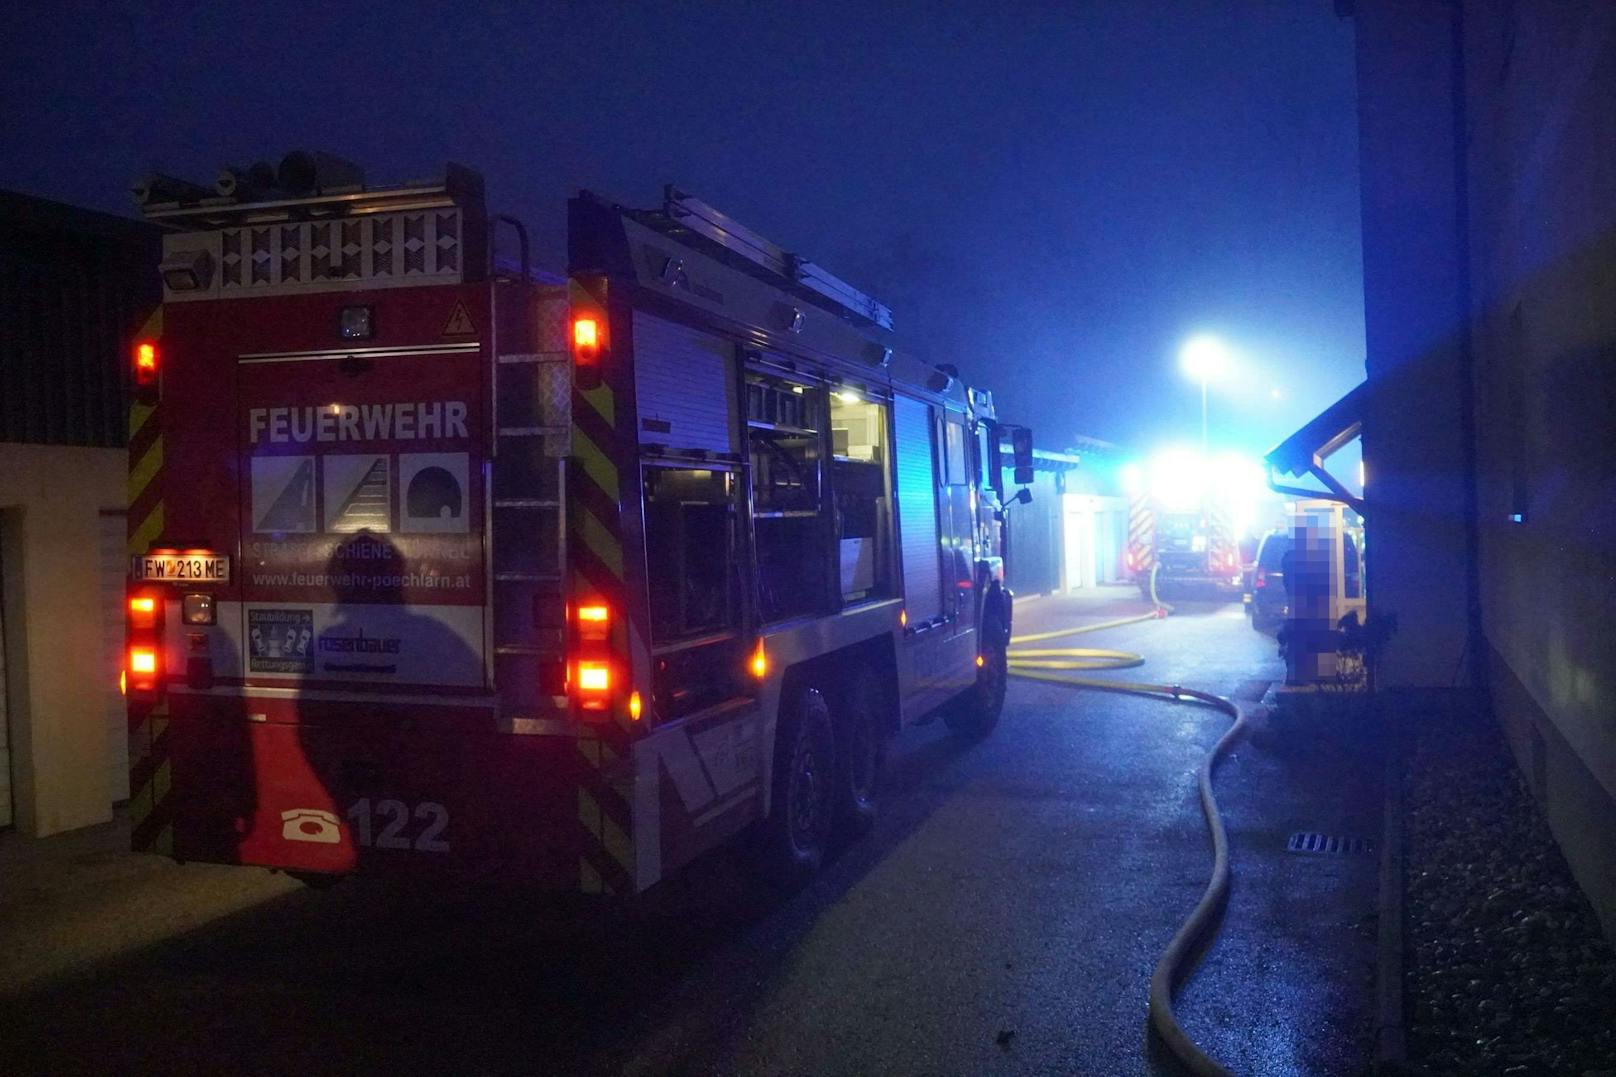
(1054, 665)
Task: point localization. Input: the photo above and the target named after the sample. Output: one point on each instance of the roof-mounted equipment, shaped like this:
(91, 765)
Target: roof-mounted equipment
(704, 220)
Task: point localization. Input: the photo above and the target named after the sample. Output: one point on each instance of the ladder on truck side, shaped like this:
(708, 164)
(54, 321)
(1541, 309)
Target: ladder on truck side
(532, 393)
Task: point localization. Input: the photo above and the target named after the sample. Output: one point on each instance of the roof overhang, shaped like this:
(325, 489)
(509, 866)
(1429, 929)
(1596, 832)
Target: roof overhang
(1305, 452)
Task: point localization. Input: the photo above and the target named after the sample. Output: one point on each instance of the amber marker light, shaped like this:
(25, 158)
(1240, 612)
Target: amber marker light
(634, 706)
(759, 663)
(903, 618)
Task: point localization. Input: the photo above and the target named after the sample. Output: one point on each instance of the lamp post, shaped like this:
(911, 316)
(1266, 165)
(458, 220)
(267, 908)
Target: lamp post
(1203, 358)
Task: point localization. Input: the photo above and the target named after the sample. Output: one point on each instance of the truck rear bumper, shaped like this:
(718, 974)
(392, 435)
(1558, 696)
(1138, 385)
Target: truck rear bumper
(422, 794)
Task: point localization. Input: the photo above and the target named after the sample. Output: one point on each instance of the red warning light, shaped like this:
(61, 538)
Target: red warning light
(585, 339)
(145, 363)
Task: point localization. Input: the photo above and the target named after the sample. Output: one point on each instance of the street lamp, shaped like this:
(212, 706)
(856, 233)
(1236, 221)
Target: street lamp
(1203, 358)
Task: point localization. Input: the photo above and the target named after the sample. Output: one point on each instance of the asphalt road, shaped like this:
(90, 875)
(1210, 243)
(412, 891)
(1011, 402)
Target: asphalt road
(1004, 917)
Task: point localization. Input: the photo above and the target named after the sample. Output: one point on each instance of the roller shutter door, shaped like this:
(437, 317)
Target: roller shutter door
(685, 384)
(917, 509)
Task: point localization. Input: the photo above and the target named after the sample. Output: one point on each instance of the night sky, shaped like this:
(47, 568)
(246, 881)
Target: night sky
(1051, 197)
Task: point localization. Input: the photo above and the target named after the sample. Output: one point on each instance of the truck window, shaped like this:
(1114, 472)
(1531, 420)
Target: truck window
(691, 575)
(958, 519)
(914, 422)
(860, 469)
(784, 436)
(688, 552)
(954, 451)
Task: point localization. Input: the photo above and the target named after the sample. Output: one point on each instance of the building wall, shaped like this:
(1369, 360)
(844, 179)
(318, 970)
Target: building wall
(1541, 79)
(1413, 449)
(1518, 231)
(51, 583)
(1033, 566)
(74, 287)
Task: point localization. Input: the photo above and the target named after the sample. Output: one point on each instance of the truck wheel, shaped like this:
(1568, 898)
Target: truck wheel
(792, 841)
(974, 714)
(860, 751)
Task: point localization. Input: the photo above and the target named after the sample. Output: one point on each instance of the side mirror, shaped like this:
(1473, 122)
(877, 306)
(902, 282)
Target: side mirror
(1023, 497)
(1021, 454)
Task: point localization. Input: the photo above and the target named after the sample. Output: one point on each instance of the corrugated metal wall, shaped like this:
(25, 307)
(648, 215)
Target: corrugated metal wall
(1033, 564)
(75, 286)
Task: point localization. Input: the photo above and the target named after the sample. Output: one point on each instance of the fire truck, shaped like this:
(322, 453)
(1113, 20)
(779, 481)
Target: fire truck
(445, 566)
(1190, 524)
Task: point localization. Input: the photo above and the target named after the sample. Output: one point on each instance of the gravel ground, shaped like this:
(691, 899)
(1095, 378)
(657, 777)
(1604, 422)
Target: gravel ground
(1507, 970)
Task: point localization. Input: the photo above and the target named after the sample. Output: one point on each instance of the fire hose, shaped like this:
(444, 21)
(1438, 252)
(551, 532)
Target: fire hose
(1056, 665)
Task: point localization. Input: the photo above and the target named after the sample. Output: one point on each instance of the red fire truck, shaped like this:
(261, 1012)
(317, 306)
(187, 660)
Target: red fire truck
(443, 565)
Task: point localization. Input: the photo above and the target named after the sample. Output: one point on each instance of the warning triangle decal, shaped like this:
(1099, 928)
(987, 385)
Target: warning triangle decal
(459, 323)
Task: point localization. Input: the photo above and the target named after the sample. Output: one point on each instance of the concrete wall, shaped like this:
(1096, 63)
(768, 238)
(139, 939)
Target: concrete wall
(1541, 82)
(1488, 142)
(1413, 322)
(50, 502)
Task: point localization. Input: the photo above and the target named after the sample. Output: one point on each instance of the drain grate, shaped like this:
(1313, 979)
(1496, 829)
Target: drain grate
(1304, 841)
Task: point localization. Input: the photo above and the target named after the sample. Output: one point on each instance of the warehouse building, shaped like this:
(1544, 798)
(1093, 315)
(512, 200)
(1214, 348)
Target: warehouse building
(1072, 536)
(75, 287)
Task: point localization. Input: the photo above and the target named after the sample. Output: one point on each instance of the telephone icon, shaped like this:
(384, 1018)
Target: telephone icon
(310, 824)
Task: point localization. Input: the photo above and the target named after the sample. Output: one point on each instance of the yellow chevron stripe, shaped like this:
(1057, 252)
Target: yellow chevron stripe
(601, 542)
(141, 474)
(140, 805)
(144, 535)
(588, 811)
(601, 399)
(595, 463)
(611, 836)
(138, 414)
(598, 752)
(152, 326)
(589, 880)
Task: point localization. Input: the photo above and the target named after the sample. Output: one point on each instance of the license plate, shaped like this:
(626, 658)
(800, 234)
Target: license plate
(182, 568)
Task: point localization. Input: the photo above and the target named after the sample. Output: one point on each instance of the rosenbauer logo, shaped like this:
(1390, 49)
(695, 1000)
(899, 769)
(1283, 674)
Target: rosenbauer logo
(359, 644)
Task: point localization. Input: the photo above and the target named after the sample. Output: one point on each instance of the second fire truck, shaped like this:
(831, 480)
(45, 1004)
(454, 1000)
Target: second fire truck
(441, 565)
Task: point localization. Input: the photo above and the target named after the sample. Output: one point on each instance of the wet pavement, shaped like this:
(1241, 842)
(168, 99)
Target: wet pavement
(1004, 917)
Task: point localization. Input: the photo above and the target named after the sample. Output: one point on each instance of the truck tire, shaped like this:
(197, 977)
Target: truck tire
(860, 753)
(792, 840)
(973, 715)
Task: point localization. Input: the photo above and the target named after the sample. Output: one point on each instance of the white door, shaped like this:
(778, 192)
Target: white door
(1078, 529)
(113, 574)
